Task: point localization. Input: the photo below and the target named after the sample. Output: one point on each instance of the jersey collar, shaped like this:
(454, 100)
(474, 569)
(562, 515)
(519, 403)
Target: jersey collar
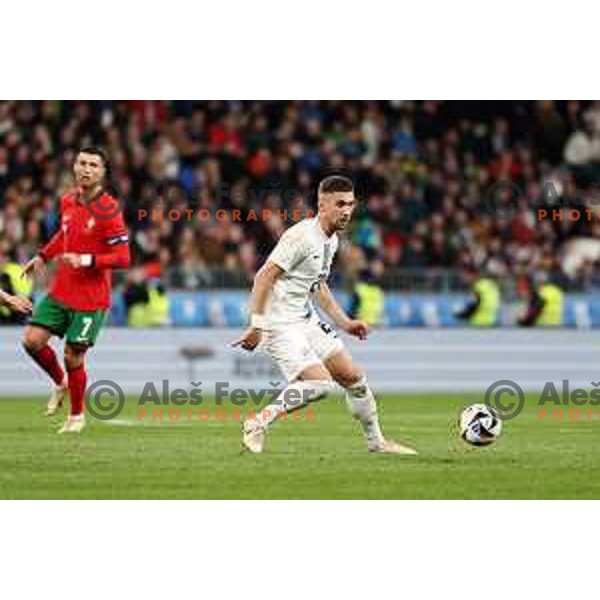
(320, 229)
(78, 193)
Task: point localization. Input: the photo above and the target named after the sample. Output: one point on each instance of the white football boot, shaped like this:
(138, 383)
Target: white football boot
(57, 398)
(73, 424)
(253, 436)
(390, 447)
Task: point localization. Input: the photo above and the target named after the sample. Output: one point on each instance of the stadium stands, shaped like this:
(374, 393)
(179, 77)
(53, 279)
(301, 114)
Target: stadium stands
(421, 170)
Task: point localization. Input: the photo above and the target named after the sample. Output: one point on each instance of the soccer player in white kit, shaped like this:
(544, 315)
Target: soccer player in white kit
(309, 352)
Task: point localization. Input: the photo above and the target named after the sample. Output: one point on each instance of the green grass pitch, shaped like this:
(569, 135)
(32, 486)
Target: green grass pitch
(323, 458)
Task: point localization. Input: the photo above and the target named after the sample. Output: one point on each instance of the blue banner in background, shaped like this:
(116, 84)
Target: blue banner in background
(229, 308)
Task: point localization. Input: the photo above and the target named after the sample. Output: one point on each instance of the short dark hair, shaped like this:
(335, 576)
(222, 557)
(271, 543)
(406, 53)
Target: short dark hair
(97, 151)
(335, 183)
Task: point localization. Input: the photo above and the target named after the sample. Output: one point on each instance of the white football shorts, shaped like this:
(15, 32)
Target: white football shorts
(296, 346)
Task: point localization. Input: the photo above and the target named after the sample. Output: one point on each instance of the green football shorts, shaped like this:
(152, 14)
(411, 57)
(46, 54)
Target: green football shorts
(76, 326)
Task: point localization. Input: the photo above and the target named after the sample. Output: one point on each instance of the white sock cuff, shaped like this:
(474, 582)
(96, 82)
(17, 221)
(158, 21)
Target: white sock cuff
(360, 387)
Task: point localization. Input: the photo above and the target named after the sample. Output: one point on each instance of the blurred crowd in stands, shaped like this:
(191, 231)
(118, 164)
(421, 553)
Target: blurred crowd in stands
(421, 171)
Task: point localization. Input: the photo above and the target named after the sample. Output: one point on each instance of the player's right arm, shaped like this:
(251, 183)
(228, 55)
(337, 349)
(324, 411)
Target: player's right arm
(18, 304)
(264, 281)
(288, 252)
(52, 249)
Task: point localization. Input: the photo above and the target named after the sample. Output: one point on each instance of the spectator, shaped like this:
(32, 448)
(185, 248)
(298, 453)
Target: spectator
(421, 169)
(582, 152)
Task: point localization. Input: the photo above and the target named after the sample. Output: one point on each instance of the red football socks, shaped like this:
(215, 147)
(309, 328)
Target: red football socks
(77, 383)
(46, 358)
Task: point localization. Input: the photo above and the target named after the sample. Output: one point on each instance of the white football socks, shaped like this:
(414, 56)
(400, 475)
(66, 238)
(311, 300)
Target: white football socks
(363, 407)
(294, 396)
(359, 398)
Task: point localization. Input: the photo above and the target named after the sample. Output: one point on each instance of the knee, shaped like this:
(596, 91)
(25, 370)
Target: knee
(352, 379)
(32, 341)
(74, 356)
(358, 386)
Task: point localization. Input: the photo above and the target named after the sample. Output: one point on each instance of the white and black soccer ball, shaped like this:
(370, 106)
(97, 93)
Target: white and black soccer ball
(479, 425)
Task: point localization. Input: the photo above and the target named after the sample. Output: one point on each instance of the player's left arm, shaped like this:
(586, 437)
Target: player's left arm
(117, 254)
(114, 241)
(337, 314)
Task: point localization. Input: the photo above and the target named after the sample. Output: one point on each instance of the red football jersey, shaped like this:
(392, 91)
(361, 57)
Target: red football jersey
(87, 230)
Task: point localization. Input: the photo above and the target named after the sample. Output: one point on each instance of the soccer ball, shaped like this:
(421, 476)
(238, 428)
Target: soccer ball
(479, 425)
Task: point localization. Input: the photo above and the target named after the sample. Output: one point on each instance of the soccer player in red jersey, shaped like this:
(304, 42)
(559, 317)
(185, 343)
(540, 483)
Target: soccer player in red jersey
(92, 240)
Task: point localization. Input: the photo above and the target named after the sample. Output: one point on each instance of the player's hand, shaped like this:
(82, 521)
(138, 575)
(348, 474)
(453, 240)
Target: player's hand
(72, 259)
(249, 339)
(358, 329)
(35, 266)
(19, 304)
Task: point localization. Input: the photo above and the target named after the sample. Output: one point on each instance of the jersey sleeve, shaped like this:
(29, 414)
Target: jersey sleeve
(114, 243)
(289, 251)
(114, 231)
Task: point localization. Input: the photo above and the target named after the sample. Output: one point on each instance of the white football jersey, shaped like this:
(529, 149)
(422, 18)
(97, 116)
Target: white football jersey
(305, 253)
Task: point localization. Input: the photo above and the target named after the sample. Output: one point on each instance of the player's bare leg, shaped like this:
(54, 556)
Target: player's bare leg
(361, 403)
(77, 379)
(35, 342)
(313, 384)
